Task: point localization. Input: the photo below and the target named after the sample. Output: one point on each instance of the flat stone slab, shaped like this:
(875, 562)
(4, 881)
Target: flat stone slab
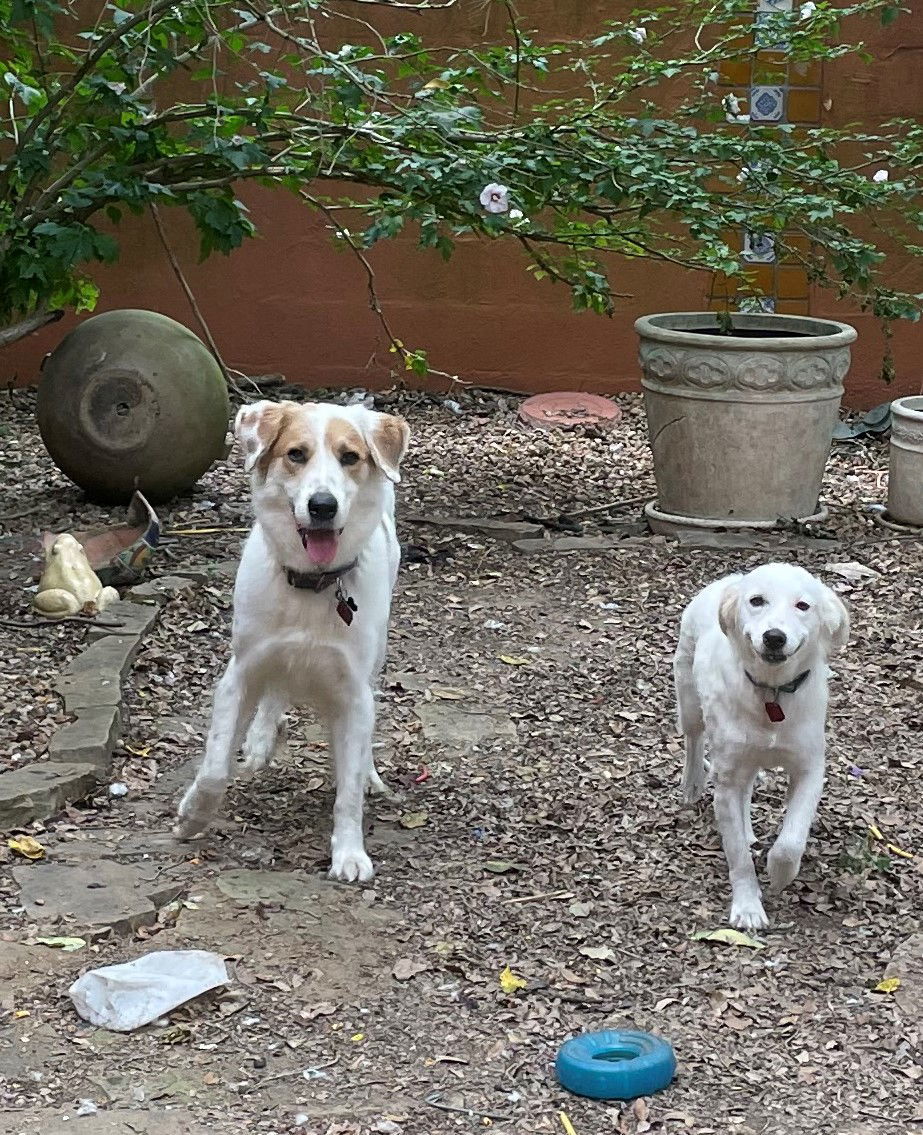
(90, 739)
(115, 652)
(273, 888)
(133, 619)
(460, 726)
(89, 688)
(96, 896)
(40, 790)
(498, 529)
(161, 589)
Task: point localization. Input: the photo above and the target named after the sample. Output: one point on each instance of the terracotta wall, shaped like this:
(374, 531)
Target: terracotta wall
(294, 301)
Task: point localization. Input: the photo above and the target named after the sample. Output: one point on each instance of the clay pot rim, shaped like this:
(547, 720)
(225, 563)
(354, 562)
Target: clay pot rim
(678, 329)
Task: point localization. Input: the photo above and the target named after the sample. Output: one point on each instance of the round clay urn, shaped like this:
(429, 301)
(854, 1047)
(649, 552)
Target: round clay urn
(132, 400)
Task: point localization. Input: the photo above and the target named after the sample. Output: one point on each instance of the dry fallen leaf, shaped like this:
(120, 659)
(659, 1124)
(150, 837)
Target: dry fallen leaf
(515, 660)
(27, 847)
(599, 953)
(888, 985)
(509, 982)
(413, 819)
(501, 866)
(406, 968)
(728, 937)
(68, 945)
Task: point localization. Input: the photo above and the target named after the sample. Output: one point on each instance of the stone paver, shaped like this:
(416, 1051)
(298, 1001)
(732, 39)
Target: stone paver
(96, 896)
(460, 726)
(90, 739)
(37, 792)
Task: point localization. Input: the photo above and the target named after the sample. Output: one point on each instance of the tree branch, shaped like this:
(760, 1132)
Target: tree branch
(35, 322)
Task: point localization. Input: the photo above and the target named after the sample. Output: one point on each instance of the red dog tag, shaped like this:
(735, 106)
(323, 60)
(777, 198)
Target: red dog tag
(774, 711)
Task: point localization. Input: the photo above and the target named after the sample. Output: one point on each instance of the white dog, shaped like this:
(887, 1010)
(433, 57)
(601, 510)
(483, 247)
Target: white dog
(751, 687)
(311, 604)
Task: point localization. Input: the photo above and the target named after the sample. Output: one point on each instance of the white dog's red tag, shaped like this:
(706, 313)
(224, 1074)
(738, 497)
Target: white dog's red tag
(774, 711)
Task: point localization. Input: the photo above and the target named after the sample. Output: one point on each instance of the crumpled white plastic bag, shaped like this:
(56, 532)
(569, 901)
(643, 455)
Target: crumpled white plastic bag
(125, 997)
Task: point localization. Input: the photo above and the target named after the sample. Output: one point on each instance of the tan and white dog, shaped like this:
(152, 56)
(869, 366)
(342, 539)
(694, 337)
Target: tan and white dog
(311, 604)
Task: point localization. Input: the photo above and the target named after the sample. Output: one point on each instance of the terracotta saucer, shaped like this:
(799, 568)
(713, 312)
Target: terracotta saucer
(565, 409)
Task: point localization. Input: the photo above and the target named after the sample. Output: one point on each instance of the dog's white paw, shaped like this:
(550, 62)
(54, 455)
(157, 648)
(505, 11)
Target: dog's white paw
(783, 863)
(350, 864)
(197, 809)
(262, 745)
(693, 788)
(748, 914)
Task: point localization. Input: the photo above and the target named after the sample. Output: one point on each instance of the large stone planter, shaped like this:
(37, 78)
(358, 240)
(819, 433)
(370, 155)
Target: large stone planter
(905, 472)
(740, 425)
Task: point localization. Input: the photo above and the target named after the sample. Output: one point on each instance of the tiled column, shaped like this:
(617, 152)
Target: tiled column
(771, 89)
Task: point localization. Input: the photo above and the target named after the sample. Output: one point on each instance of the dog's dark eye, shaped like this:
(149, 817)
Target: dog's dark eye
(297, 456)
(757, 601)
(349, 458)
(802, 606)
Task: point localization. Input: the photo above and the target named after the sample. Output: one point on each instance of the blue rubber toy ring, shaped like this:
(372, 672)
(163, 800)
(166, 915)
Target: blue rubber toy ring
(615, 1065)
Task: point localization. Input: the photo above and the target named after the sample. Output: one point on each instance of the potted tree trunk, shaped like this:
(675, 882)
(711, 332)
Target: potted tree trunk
(905, 471)
(740, 413)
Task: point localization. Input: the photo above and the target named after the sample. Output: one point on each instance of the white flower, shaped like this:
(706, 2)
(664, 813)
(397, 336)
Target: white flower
(880, 175)
(731, 104)
(744, 174)
(639, 35)
(495, 198)
(808, 10)
(713, 76)
(515, 214)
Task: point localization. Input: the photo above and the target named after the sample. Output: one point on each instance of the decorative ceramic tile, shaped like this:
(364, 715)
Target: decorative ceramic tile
(767, 104)
(759, 248)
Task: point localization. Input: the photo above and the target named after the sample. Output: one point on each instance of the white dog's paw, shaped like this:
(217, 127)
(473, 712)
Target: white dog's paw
(783, 863)
(748, 914)
(197, 809)
(350, 864)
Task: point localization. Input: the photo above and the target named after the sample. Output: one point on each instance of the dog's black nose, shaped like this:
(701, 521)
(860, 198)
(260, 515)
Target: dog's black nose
(322, 506)
(774, 640)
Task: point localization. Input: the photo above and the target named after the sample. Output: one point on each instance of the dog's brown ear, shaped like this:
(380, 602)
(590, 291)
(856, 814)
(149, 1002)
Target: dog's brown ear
(728, 619)
(834, 617)
(256, 428)
(388, 437)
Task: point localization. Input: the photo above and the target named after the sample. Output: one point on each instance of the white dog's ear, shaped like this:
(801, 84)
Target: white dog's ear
(834, 617)
(387, 437)
(257, 426)
(728, 610)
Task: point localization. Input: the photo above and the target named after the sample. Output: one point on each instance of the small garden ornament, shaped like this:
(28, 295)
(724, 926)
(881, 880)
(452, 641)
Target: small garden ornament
(69, 585)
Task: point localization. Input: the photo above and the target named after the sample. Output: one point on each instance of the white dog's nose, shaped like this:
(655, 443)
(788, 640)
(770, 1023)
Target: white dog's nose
(774, 639)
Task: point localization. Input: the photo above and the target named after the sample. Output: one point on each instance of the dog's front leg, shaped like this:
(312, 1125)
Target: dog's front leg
(804, 791)
(731, 792)
(351, 730)
(234, 703)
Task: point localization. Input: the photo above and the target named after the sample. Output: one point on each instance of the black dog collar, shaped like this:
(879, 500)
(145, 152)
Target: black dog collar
(316, 581)
(787, 688)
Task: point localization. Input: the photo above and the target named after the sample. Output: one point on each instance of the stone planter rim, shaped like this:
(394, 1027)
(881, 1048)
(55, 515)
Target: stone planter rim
(805, 332)
(910, 406)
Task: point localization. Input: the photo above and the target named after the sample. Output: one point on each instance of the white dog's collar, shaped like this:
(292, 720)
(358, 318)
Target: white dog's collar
(785, 688)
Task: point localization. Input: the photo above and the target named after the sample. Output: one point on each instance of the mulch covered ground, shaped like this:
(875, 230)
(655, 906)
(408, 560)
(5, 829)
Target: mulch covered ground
(557, 845)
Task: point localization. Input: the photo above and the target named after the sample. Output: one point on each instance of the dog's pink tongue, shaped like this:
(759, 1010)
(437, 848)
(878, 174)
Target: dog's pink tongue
(321, 546)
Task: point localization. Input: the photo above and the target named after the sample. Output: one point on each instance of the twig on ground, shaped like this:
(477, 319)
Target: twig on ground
(433, 1100)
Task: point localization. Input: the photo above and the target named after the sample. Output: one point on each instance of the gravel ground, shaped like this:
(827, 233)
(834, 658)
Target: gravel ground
(557, 846)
